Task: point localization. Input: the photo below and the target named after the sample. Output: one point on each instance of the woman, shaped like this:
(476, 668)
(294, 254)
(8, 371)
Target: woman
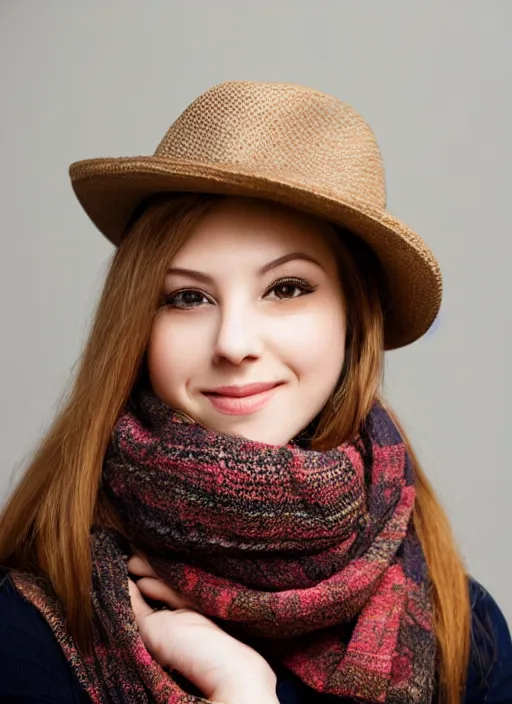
(225, 509)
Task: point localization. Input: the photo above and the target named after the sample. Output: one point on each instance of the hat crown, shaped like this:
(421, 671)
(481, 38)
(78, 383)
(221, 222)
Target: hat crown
(278, 128)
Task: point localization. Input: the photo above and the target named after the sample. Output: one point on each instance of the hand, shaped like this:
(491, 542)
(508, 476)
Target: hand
(223, 668)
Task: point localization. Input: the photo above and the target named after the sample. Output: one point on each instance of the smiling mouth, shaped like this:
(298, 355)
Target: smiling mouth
(237, 391)
(241, 400)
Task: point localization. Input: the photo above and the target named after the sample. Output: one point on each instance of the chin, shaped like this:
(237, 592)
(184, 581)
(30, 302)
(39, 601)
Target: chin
(261, 435)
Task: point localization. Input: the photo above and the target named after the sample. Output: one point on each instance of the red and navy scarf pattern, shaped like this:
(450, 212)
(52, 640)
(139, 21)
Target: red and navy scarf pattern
(310, 555)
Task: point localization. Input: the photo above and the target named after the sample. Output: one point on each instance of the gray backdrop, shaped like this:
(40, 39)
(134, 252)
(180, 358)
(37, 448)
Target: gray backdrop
(106, 78)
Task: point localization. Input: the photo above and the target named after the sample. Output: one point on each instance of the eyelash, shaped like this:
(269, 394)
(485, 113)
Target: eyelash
(170, 299)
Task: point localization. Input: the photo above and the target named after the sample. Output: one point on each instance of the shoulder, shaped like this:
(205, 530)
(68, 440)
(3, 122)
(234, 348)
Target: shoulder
(490, 666)
(32, 664)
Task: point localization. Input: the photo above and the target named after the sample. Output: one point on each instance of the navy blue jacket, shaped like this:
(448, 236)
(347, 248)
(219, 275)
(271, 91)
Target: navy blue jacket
(33, 669)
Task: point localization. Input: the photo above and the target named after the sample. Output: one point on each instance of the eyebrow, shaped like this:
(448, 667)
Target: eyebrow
(201, 276)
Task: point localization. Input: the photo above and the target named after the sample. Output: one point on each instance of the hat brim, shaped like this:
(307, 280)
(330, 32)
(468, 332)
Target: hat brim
(109, 190)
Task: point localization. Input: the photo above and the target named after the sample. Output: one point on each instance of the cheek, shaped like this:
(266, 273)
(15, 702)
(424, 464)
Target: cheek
(172, 355)
(315, 341)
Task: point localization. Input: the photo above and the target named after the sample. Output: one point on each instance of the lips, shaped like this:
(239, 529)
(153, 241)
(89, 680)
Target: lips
(242, 391)
(241, 400)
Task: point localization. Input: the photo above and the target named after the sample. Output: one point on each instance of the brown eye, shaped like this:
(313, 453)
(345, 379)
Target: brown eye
(186, 299)
(291, 288)
(286, 290)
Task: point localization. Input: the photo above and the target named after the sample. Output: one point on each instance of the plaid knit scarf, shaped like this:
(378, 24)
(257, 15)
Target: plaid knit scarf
(309, 555)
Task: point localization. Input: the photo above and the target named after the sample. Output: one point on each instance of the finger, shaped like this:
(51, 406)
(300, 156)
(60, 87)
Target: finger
(140, 567)
(159, 591)
(134, 550)
(139, 606)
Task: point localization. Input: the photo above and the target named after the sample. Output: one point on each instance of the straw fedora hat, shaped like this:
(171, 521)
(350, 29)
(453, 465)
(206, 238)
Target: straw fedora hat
(285, 143)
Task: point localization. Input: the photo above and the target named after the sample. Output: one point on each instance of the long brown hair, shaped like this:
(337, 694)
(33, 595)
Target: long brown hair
(45, 526)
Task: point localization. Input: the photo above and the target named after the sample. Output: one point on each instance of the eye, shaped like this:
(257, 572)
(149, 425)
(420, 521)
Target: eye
(285, 289)
(186, 299)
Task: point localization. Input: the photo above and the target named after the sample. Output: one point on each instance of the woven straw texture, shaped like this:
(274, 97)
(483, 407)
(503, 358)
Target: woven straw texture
(285, 143)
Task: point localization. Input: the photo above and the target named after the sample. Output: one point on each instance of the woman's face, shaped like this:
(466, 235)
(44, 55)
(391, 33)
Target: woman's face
(251, 339)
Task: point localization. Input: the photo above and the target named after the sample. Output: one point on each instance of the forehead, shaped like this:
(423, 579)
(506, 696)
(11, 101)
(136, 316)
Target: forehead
(243, 227)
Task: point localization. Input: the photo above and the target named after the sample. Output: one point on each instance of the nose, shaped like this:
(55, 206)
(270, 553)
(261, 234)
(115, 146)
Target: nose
(238, 336)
